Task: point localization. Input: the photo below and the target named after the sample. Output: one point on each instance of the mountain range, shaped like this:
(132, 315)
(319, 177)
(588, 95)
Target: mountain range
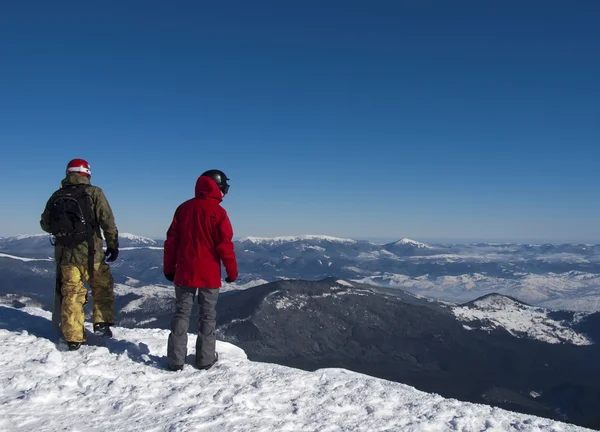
(555, 276)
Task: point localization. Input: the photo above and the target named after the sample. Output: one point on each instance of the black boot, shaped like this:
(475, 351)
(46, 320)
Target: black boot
(175, 368)
(208, 366)
(102, 329)
(74, 346)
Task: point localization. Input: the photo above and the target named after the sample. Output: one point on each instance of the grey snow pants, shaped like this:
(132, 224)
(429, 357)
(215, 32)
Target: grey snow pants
(207, 321)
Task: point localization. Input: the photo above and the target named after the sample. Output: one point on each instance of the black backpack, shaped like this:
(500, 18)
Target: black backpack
(72, 219)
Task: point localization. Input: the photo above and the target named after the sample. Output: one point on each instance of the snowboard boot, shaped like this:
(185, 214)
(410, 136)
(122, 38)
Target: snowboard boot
(74, 346)
(175, 368)
(208, 366)
(103, 330)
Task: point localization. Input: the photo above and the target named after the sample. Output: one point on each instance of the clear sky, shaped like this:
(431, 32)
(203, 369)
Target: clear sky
(366, 119)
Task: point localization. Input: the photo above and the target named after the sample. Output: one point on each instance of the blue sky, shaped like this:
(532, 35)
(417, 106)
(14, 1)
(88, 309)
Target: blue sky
(427, 119)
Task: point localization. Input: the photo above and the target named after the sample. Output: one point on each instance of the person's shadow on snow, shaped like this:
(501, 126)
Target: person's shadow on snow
(139, 353)
(17, 320)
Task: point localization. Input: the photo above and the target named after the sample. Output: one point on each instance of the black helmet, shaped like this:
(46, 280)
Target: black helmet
(220, 179)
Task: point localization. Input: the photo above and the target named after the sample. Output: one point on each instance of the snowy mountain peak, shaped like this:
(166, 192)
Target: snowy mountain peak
(495, 311)
(285, 239)
(25, 237)
(137, 239)
(413, 243)
(495, 301)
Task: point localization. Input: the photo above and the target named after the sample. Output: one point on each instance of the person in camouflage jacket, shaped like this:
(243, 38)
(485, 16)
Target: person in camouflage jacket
(72, 263)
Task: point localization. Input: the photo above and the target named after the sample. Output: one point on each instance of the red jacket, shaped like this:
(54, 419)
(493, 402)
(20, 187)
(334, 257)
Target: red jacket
(199, 239)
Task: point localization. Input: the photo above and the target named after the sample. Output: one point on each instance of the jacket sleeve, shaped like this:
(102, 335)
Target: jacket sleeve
(225, 246)
(171, 245)
(106, 218)
(44, 221)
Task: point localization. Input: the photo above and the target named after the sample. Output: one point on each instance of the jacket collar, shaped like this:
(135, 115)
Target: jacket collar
(75, 179)
(207, 188)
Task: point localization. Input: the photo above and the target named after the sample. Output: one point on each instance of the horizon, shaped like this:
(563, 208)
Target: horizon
(467, 120)
(380, 240)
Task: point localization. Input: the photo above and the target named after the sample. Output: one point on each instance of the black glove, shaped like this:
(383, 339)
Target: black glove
(111, 254)
(229, 280)
(170, 277)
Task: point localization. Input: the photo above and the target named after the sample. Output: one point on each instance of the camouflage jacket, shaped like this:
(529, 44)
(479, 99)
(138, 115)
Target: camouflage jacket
(104, 218)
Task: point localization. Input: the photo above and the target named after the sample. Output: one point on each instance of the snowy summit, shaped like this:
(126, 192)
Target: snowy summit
(137, 239)
(285, 239)
(123, 385)
(520, 320)
(413, 243)
(26, 236)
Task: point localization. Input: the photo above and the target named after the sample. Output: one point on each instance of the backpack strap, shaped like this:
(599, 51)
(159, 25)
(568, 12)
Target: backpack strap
(89, 215)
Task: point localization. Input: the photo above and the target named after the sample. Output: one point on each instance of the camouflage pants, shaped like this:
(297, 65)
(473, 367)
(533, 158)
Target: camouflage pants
(75, 296)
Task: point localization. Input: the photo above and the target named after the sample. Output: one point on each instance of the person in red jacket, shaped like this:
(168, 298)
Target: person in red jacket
(198, 241)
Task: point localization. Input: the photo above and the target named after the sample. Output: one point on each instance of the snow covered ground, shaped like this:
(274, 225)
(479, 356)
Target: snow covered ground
(18, 258)
(521, 320)
(123, 385)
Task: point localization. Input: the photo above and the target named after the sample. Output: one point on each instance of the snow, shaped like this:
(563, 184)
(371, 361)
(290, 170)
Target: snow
(11, 299)
(137, 238)
(26, 236)
(358, 270)
(137, 304)
(342, 293)
(300, 301)
(377, 254)
(141, 247)
(317, 248)
(290, 303)
(520, 319)
(409, 242)
(238, 286)
(259, 240)
(157, 292)
(3, 255)
(131, 281)
(573, 290)
(564, 258)
(125, 386)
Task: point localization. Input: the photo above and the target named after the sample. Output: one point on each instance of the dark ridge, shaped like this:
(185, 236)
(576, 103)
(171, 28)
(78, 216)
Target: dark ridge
(490, 295)
(590, 326)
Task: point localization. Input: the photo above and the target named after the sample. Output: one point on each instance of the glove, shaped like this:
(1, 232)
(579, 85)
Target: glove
(229, 280)
(111, 254)
(170, 277)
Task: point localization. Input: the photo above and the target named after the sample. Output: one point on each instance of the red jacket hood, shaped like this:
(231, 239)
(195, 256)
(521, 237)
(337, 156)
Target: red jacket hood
(207, 188)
